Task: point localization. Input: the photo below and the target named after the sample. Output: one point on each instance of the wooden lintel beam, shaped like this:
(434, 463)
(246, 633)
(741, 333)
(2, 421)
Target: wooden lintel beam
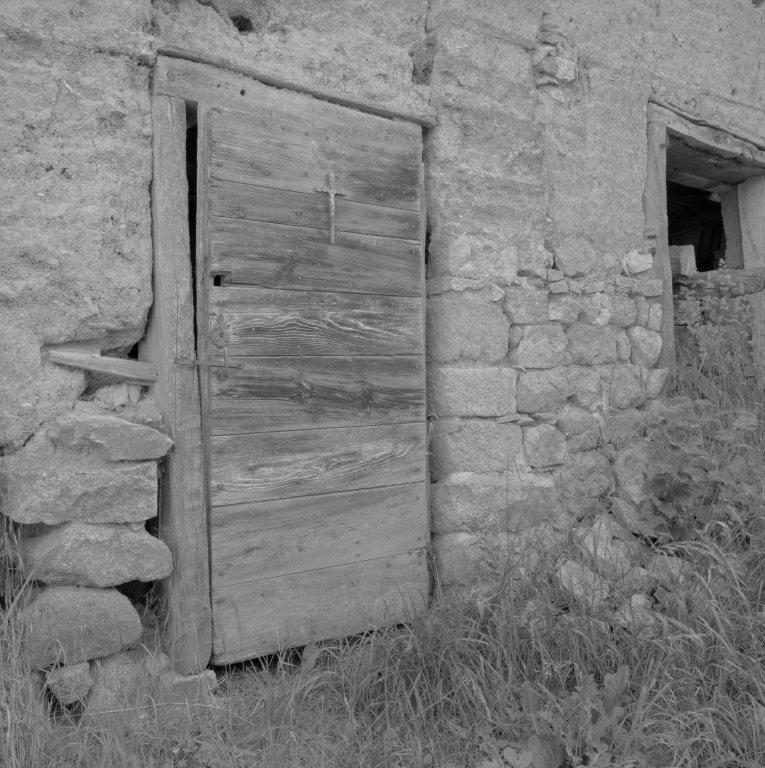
(129, 370)
(691, 180)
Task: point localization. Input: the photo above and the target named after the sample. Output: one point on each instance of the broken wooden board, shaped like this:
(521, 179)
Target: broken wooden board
(120, 368)
(724, 283)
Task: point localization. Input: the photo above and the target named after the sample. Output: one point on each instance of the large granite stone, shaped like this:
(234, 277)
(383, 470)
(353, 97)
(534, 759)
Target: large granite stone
(471, 391)
(69, 625)
(70, 683)
(119, 439)
(646, 346)
(79, 554)
(98, 494)
(591, 344)
(540, 346)
(575, 257)
(544, 446)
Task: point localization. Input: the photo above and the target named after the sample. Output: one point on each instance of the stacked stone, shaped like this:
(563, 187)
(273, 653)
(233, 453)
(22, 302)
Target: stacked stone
(541, 344)
(82, 490)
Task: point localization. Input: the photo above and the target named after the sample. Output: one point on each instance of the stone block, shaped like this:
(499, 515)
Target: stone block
(526, 306)
(630, 468)
(189, 689)
(80, 554)
(121, 493)
(627, 388)
(588, 386)
(580, 427)
(534, 262)
(654, 381)
(584, 481)
(70, 683)
(648, 288)
(474, 503)
(460, 558)
(605, 555)
(670, 571)
(581, 583)
(636, 615)
(591, 344)
(559, 288)
(466, 326)
(471, 257)
(621, 427)
(576, 257)
(564, 308)
(623, 310)
(596, 308)
(637, 262)
(643, 309)
(69, 625)
(655, 314)
(471, 391)
(546, 391)
(540, 346)
(554, 276)
(116, 687)
(623, 346)
(473, 445)
(119, 439)
(544, 446)
(646, 346)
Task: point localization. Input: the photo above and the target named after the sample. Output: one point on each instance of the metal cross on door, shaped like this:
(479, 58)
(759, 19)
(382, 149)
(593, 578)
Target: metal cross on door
(331, 191)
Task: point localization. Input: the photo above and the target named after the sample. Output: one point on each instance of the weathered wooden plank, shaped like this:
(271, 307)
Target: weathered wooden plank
(725, 283)
(272, 394)
(300, 258)
(246, 201)
(272, 322)
(751, 201)
(260, 617)
(278, 465)
(129, 370)
(706, 137)
(708, 166)
(197, 77)
(655, 211)
(734, 249)
(275, 538)
(284, 155)
(185, 594)
(697, 182)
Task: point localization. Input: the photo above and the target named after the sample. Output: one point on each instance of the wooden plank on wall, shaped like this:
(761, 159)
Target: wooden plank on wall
(170, 333)
(128, 370)
(275, 538)
(272, 394)
(277, 465)
(734, 249)
(751, 202)
(302, 259)
(271, 322)
(655, 211)
(233, 200)
(317, 605)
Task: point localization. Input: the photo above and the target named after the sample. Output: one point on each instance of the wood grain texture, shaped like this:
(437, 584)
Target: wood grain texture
(751, 202)
(734, 248)
(270, 151)
(196, 77)
(275, 538)
(247, 201)
(727, 171)
(129, 370)
(697, 182)
(277, 465)
(273, 322)
(301, 258)
(185, 594)
(655, 211)
(260, 617)
(283, 393)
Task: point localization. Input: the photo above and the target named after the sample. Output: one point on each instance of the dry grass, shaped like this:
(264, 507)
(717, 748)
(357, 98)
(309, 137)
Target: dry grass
(469, 681)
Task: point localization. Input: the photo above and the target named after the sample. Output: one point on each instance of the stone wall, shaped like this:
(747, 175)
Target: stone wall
(542, 319)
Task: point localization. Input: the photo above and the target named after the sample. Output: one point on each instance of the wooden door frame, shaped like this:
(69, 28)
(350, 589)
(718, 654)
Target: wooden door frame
(183, 505)
(662, 123)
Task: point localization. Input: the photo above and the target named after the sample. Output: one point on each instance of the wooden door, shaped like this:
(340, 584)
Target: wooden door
(316, 440)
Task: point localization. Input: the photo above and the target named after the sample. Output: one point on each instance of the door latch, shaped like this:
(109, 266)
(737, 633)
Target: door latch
(219, 336)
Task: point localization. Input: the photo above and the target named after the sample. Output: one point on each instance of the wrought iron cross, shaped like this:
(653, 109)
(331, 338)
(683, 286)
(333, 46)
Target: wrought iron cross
(331, 191)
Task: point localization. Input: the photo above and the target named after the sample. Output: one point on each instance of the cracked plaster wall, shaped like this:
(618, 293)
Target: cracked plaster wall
(537, 163)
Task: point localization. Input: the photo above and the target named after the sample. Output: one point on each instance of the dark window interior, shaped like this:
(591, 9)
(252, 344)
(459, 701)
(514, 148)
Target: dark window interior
(695, 218)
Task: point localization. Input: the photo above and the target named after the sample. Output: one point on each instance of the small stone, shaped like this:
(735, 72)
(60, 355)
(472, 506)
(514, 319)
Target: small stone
(669, 570)
(575, 257)
(580, 427)
(636, 615)
(525, 306)
(643, 311)
(564, 308)
(646, 346)
(627, 389)
(79, 554)
(120, 440)
(637, 580)
(581, 583)
(624, 284)
(559, 288)
(607, 556)
(554, 276)
(70, 683)
(593, 286)
(654, 382)
(189, 689)
(623, 346)
(623, 311)
(593, 306)
(590, 344)
(116, 686)
(69, 625)
(630, 469)
(543, 391)
(636, 262)
(655, 314)
(544, 446)
(540, 346)
(648, 287)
